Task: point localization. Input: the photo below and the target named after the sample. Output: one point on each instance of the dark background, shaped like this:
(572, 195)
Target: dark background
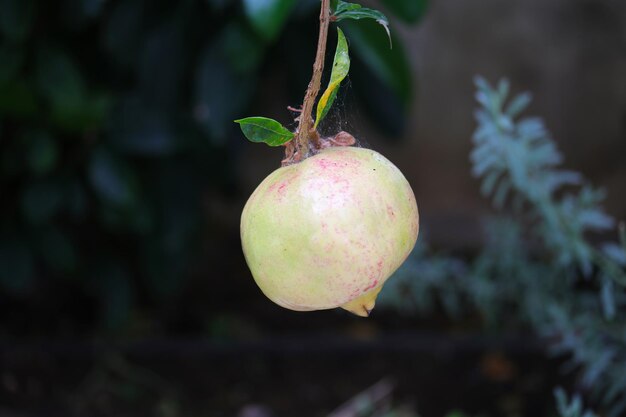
(123, 289)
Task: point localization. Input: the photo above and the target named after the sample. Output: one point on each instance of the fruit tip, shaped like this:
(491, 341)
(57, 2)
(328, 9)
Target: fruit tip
(362, 306)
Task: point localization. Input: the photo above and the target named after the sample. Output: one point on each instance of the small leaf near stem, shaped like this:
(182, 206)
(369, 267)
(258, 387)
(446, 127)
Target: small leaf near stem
(344, 7)
(262, 129)
(341, 67)
(306, 138)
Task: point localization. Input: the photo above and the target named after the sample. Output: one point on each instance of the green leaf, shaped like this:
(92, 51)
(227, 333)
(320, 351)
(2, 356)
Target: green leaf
(357, 12)
(391, 66)
(262, 129)
(341, 67)
(409, 11)
(344, 7)
(268, 16)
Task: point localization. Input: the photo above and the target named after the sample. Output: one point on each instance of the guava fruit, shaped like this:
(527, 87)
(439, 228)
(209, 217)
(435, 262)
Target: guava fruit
(327, 232)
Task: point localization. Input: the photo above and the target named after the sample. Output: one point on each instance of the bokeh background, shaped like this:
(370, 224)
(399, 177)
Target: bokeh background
(123, 289)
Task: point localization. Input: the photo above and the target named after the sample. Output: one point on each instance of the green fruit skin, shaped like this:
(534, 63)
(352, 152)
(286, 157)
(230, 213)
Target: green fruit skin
(322, 232)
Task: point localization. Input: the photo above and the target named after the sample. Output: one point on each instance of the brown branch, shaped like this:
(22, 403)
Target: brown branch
(306, 133)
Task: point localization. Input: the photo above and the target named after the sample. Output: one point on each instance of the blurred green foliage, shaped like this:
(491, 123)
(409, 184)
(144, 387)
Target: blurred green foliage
(116, 118)
(571, 408)
(539, 269)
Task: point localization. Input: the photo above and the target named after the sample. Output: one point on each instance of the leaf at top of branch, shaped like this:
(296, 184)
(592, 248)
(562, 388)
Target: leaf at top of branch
(343, 7)
(341, 67)
(355, 11)
(262, 129)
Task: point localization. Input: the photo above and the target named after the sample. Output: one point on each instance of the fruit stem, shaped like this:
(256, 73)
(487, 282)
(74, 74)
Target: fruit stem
(299, 147)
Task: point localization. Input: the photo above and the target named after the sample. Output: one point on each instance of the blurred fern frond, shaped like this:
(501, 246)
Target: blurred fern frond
(564, 209)
(536, 255)
(518, 158)
(572, 407)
